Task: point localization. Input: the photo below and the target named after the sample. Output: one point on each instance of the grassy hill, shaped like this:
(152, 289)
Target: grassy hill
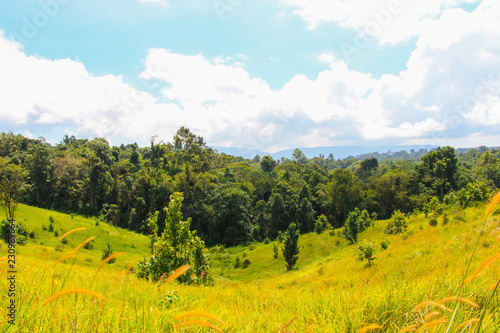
(329, 292)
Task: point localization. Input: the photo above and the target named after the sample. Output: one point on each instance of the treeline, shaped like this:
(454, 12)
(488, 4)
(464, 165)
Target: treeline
(232, 200)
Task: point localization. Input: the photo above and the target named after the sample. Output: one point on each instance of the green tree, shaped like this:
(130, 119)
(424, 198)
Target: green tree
(177, 246)
(367, 251)
(397, 225)
(345, 194)
(299, 156)
(12, 186)
(291, 246)
(267, 163)
(357, 221)
(321, 224)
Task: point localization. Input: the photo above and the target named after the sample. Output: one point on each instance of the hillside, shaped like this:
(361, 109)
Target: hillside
(329, 292)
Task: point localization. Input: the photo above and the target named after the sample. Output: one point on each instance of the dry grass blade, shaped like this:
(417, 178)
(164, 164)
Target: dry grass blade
(70, 232)
(81, 245)
(461, 299)
(178, 272)
(199, 323)
(369, 328)
(447, 245)
(431, 303)
(411, 328)
(468, 322)
(492, 205)
(283, 327)
(432, 315)
(483, 266)
(109, 258)
(494, 286)
(73, 291)
(432, 324)
(198, 314)
(496, 242)
(62, 258)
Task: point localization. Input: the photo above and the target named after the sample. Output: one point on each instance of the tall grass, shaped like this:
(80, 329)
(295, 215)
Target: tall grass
(412, 287)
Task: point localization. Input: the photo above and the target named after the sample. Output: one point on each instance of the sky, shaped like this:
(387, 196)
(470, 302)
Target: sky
(258, 74)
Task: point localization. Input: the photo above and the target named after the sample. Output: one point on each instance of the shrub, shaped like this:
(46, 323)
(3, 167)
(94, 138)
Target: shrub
(321, 224)
(175, 247)
(246, 263)
(56, 234)
(367, 251)
(356, 222)
(64, 241)
(107, 252)
(397, 225)
(267, 240)
(275, 251)
(433, 222)
(445, 219)
(384, 244)
(20, 231)
(89, 245)
(237, 262)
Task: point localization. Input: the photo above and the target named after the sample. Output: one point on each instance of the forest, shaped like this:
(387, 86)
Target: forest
(234, 201)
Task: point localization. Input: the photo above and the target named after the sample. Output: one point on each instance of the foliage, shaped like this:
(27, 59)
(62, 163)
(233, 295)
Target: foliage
(108, 252)
(245, 263)
(275, 251)
(433, 222)
(367, 250)
(356, 222)
(321, 224)
(177, 246)
(21, 232)
(397, 225)
(12, 186)
(291, 246)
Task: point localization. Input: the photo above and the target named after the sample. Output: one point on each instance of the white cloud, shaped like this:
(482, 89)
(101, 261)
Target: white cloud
(389, 21)
(448, 91)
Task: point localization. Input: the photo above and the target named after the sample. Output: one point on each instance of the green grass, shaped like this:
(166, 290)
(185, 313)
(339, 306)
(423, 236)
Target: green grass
(329, 292)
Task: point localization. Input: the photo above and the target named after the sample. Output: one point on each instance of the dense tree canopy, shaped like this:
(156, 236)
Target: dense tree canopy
(231, 200)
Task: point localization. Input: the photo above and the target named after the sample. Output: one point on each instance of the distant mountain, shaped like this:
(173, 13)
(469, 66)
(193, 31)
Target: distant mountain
(337, 151)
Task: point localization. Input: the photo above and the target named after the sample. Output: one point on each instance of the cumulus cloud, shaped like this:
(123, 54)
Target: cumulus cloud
(449, 91)
(389, 21)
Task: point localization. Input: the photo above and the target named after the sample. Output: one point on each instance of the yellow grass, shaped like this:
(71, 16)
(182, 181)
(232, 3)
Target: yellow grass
(197, 314)
(432, 304)
(468, 322)
(492, 205)
(460, 299)
(480, 270)
(73, 291)
(432, 324)
(109, 258)
(198, 323)
(411, 328)
(178, 272)
(81, 245)
(62, 258)
(70, 232)
(369, 328)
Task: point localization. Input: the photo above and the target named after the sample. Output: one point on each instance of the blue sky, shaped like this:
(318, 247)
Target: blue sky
(261, 74)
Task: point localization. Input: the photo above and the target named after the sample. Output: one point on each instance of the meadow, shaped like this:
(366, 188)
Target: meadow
(416, 284)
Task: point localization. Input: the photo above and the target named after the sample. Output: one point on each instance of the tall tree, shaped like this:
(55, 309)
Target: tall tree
(12, 186)
(291, 247)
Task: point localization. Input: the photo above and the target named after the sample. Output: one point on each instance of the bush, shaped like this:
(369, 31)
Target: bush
(275, 251)
(397, 225)
(267, 240)
(384, 244)
(237, 262)
(246, 263)
(445, 219)
(56, 234)
(107, 252)
(356, 222)
(89, 245)
(433, 222)
(20, 231)
(64, 241)
(367, 251)
(175, 247)
(321, 224)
